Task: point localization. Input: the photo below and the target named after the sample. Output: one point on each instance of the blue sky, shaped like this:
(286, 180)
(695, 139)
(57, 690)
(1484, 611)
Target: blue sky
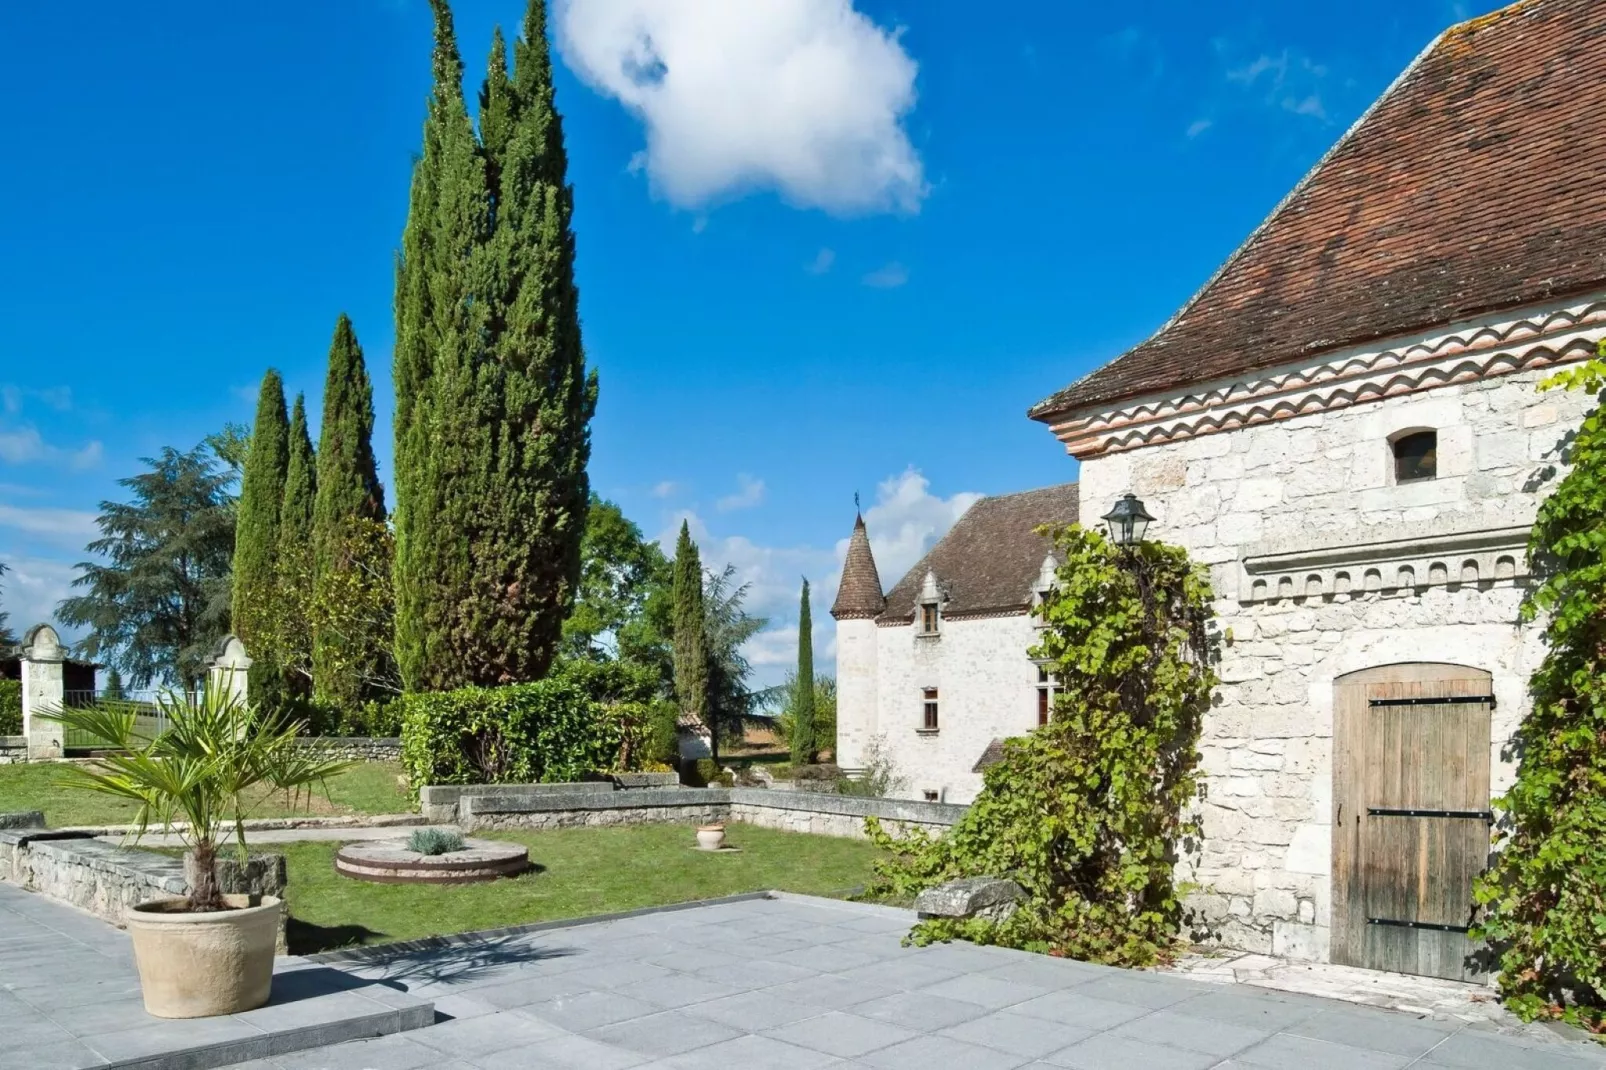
(829, 248)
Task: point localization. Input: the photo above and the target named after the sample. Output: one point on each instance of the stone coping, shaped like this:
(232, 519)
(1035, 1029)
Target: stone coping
(274, 824)
(850, 805)
(9, 742)
(578, 797)
(354, 741)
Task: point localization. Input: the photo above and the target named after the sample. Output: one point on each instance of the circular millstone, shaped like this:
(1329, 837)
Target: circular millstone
(390, 862)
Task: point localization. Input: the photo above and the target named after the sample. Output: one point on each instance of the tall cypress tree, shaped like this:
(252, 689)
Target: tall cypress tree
(804, 744)
(691, 641)
(440, 326)
(292, 640)
(493, 439)
(256, 536)
(349, 496)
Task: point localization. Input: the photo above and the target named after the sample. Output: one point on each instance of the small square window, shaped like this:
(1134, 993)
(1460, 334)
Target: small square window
(1416, 456)
(928, 709)
(930, 796)
(928, 618)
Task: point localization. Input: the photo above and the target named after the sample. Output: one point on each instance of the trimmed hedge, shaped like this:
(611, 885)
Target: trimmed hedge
(10, 707)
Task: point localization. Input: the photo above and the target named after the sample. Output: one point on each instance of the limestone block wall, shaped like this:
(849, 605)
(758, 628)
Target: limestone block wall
(357, 748)
(856, 701)
(98, 877)
(1325, 480)
(13, 749)
(986, 686)
(837, 815)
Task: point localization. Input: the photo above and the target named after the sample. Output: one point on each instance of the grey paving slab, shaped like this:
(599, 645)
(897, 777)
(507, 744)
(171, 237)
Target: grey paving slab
(842, 1034)
(793, 985)
(381, 1053)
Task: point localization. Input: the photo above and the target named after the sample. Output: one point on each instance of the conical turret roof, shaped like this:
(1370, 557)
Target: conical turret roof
(859, 595)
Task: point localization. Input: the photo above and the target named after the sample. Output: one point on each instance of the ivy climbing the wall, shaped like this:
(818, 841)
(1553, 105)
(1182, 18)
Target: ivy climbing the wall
(1544, 899)
(1089, 812)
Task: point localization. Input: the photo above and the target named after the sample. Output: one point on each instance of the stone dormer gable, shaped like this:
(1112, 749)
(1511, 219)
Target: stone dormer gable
(990, 562)
(1474, 187)
(858, 596)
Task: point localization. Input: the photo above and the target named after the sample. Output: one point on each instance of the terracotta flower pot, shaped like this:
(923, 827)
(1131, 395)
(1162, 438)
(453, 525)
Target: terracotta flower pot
(198, 965)
(710, 837)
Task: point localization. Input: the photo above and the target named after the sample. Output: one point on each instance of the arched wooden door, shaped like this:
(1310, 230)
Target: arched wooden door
(1410, 816)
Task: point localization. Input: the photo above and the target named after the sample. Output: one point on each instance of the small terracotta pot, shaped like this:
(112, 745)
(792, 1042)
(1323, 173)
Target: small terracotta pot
(198, 965)
(710, 837)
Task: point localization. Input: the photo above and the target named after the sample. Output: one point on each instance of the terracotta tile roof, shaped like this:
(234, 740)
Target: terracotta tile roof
(988, 561)
(859, 594)
(1476, 183)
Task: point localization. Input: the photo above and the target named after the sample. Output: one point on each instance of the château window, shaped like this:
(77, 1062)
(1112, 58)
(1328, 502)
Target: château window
(1045, 695)
(928, 709)
(932, 796)
(1416, 456)
(928, 618)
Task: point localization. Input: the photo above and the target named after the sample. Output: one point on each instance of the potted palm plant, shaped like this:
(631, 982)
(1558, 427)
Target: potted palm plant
(212, 761)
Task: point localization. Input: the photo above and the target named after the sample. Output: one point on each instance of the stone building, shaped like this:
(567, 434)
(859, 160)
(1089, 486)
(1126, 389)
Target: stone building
(1344, 425)
(935, 672)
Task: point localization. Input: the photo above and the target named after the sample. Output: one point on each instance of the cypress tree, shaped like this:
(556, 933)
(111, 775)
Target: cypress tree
(256, 537)
(439, 331)
(292, 641)
(114, 685)
(493, 439)
(804, 744)
(691, 641)
(349, 494)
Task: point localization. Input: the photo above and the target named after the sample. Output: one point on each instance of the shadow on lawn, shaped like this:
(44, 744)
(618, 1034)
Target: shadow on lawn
(305, 938)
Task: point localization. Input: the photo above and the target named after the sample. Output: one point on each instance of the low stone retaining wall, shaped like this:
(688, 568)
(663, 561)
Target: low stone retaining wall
(547, 806)
(443, 803)
(357, 748)
(13, 749)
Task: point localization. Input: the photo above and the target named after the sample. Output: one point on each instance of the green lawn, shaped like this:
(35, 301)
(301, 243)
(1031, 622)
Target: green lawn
(365, 788)
(582, 871)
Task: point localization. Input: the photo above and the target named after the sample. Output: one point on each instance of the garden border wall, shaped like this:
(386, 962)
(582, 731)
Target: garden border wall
(13, 749)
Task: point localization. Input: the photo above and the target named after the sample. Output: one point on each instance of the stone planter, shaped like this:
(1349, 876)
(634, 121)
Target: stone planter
(198, 965)
(710, 837)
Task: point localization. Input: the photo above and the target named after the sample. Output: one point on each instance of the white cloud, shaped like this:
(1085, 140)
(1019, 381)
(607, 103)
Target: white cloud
(22, 444)
(67, 527)
(806, 97)
(1198, 126)
(904, 522)
(888, 276)
(665, 488)
(1288, 80)
(822, 262)
(751, 493)
(30, 590)
(57, 397)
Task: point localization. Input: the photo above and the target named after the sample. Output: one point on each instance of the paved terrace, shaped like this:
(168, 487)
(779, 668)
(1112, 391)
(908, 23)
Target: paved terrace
(803, 983)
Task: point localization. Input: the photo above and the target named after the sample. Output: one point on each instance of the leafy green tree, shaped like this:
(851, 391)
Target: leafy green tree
(804, 745)
(350, 648)
(256, 544)
(7, 640)
(1544, 898)
(1088, 812)
(493, 438)
(619, 572)
(290, 638)
(727, 627)
(786, 698)
(692, 661)
(231, 444)
(160, 602)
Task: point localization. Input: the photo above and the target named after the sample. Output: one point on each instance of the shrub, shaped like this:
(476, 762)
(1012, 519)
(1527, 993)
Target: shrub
(549, 731)
(1089, 812)
(880, 777)
(705, 773)
(434, 841)
(10, 707)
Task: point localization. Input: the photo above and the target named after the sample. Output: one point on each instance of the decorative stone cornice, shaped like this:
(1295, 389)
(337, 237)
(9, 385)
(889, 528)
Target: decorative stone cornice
(1405, 558)
(1480, 350)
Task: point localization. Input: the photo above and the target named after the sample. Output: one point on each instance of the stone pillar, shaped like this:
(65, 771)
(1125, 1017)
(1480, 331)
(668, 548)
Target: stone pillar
(229, 670)
(42, 691)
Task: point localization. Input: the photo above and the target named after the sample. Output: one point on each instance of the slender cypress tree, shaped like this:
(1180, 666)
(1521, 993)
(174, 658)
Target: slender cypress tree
(114, 685)
(292, 641)
(493, 439)
(256, 537)
(439, 341)
(691, 640)
(804, 744)
(349, 495)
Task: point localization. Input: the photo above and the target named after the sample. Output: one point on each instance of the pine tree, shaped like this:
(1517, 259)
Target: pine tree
(113, 689)
(804, 744)
(349, 497)
(493, 438)
(292, 639)
(691, 640)
(256, 539)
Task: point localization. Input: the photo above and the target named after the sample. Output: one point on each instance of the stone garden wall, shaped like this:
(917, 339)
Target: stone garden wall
(99, 877)
(358, 748)
(13, 749)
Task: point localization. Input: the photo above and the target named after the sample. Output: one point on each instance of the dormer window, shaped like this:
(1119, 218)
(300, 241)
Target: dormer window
(928, 612)
(928, 618)
(1416, 456)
